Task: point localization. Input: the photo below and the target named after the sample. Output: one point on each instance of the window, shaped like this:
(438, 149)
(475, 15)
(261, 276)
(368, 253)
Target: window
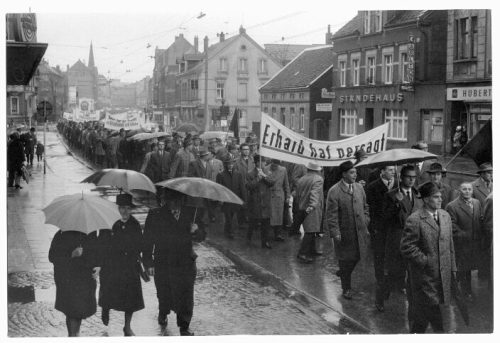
(466, 38)
(14, 105)
(398, 124)
(348, 119)
(371, 70)
(377, 16)
(292, 117)
(273, 112)
(262, 66)
(342, 65)
(223, 64)
(242, 91)
(372, 21)
(265, 110)
(302, 118)
(404, 65)
(282, 95)
(193, 89)
(366, 15)
(355, 72)
(273, 96)
(264, 96)
(243, 118)
(282, 115)
(292, 96)
(220, 90)
(387, 69)
(242, 66)
(301, 95)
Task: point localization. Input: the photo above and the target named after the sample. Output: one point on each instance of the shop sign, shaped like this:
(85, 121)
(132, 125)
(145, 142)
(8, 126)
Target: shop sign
(469, 94)
(325, 94)
(324, 107)
(388, 97)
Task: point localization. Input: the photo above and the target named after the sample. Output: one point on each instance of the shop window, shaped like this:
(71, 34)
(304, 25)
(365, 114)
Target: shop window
(388, 69)
(398, 124)
(348, 118)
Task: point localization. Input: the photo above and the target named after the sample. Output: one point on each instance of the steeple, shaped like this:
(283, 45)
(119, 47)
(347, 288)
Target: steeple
(91, 57)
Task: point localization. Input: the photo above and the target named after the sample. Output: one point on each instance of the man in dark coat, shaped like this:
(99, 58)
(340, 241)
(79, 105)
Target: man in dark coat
(15, 160)
(422, 167)
(437, 173)
(259, 197)
(347, 217)
(159, 163)
(427, 245)
(233, 180)
(168, 255)
(244, 164)
(400, 203)
(29, 145)
(375, 197)
(465, 213)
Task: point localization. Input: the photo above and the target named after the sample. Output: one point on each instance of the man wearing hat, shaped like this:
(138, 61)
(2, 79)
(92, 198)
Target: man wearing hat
(481, 188)
(421, 167)
(196, 145)
(427, 245)
(29, 140)
(244, 164)
(437, 172)
(233, 180)
(364, 172)
(310, 199)
(347, 218)
(483, 185)
(180, 166)
(159, 163)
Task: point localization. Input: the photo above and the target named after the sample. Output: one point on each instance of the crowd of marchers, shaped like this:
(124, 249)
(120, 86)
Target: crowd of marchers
(423, 237)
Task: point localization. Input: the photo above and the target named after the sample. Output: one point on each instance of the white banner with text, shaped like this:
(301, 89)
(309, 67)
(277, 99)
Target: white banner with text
(279, 142)
(126, 121)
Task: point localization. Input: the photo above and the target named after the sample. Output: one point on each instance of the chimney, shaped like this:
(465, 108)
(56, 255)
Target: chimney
(196, 44)
(205, 44)
(328, 36)
(242, 30)
(67, 67)
(221, 35)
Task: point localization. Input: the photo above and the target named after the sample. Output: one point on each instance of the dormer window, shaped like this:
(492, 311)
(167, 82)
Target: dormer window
(372, 21)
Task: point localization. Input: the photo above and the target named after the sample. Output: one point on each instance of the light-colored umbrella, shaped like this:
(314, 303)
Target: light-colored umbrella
(187, 127)
(141, 136)
(160, 134)
(396, 157)
(123, 179)
(201, 188)
(81, 212)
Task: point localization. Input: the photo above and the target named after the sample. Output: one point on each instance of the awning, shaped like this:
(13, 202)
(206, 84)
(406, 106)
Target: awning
(22, 61)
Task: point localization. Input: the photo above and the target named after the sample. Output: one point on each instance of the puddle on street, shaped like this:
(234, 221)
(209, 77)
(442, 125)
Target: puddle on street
(29, 294)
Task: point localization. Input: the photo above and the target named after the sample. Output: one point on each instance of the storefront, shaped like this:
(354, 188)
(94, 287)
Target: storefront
(470, 107)
(413, 115)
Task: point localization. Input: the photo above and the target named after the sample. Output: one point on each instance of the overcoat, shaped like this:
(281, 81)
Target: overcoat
(348, 215)
(244, 167)
(196, 169)
(120, 283)
(259, 196)
(279, 192)
(168, 248)
(159, 166)
(448, 194)
(479, 190)
(429, 250)
(216, 167)
(235, 182)
(466, 232)
(310, 194)
(375, 197)
(396, 212)
(75, 287)
(180, 164)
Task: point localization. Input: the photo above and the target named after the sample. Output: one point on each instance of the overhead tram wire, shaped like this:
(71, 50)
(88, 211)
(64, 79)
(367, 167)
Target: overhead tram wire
(308, 32)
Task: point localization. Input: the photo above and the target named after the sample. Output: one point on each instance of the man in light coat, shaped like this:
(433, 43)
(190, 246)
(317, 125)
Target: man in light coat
(465, 215)
(427, 245)
(347, 218)
(280, 192)
(310, 199)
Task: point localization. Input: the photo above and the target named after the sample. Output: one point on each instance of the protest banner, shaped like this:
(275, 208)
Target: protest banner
(126, 121)
(84, 116)
(279, 142)
(68, 116)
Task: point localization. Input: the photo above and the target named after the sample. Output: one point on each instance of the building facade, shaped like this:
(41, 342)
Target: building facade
(24, 54)
(299, 96)
(389, 66)
(51, 91)
(237, 67)
(468, 71)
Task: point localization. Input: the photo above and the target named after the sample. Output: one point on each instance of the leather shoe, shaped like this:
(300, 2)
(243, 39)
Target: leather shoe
(267, 245)
(162, 319)
(128, 332)
(186, 332)
(105, 316)
(304, 259)
(347, 294)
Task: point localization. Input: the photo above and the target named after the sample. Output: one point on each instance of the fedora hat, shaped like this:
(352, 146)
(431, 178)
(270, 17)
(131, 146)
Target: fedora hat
(485, 167)
(436, 168)
(203, 152)
(346, 166)
(228, 158)
(124, 200)
(428, 189)
(313, 166)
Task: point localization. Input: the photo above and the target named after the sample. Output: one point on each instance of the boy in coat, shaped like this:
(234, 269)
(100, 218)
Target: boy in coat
(427, 245)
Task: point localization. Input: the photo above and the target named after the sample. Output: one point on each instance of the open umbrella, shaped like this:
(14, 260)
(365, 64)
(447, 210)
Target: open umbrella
(396, 157)
(123, 179)
(81, 212)
(160, 134)
(141, 136)
(187, 127)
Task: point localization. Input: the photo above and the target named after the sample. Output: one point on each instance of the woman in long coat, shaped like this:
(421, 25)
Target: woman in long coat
(169, 256)
(280, 191)
(121, 288)
(74, 254)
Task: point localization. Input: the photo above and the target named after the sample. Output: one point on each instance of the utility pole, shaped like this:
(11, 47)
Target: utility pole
(44, 137)
(207, 118)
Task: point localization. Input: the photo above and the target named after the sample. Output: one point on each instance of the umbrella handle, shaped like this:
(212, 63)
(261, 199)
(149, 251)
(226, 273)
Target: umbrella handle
(195, 210)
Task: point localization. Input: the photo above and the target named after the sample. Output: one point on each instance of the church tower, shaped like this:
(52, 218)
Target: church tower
(94, 72)
(91, 56)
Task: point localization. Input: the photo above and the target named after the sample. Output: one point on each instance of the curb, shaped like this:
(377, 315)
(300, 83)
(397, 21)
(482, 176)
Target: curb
(342, 323)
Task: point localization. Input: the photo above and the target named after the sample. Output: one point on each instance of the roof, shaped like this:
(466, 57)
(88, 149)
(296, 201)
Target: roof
(355, 25)
(79, 65)
(284, 53)
(302, 70)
